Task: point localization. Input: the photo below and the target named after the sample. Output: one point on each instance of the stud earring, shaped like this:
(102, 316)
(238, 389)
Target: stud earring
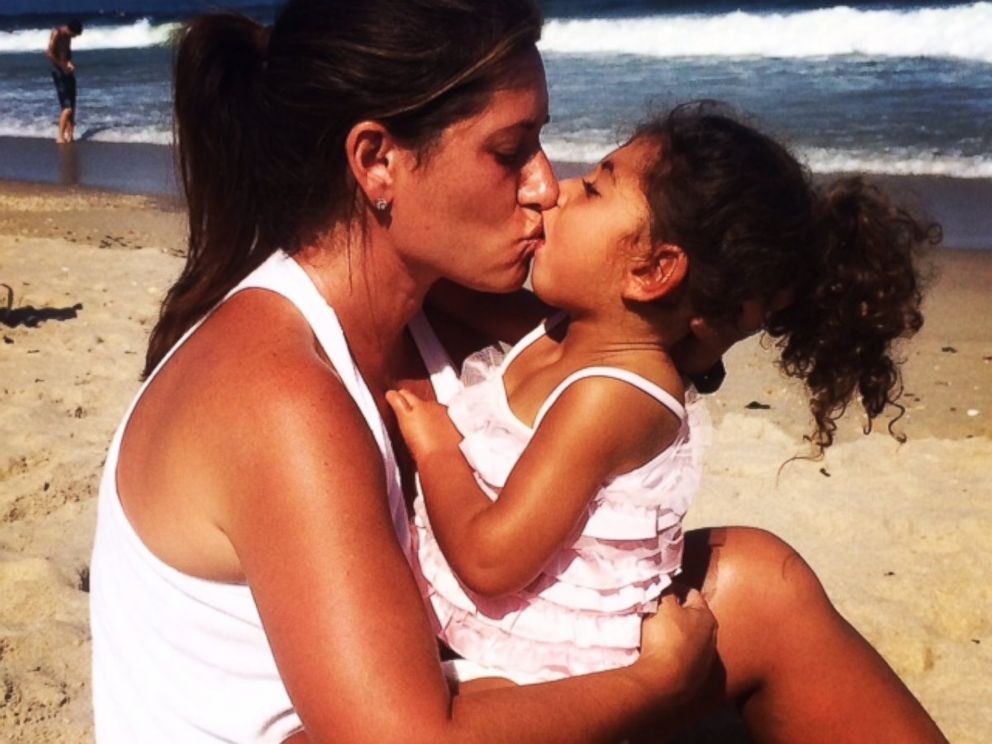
(381, 204)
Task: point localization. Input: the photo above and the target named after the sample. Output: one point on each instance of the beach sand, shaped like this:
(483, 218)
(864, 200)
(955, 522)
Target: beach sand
(901, 534)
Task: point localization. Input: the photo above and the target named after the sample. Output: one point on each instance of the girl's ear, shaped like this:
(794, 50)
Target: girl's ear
(372, 154)
(657, 275)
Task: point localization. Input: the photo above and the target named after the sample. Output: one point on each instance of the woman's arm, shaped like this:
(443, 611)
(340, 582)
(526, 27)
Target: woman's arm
(311, 527)
(597, 429)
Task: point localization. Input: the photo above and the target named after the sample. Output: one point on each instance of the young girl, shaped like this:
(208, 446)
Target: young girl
(550, 520)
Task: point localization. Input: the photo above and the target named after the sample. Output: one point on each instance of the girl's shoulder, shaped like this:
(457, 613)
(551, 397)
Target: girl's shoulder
(639, 410)
(630, 385)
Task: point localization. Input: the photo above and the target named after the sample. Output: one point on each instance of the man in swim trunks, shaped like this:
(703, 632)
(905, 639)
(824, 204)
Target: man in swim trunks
(64, 74)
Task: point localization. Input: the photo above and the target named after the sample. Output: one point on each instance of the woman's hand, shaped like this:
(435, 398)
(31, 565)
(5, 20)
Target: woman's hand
(424, 424)
(678, 645)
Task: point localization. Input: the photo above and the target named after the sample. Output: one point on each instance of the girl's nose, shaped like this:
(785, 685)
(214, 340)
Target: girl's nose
(538, 185)
(566, 188)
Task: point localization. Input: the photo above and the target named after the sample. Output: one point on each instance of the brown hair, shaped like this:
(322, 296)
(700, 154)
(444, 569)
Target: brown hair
(753, 225)
(262, 115)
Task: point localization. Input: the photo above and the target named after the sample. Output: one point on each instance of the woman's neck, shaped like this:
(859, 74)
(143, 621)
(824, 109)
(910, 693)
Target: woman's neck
(373, 294)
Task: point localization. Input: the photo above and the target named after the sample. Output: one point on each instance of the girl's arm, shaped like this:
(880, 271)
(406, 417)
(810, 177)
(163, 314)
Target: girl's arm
(597, 429)
(309, 521)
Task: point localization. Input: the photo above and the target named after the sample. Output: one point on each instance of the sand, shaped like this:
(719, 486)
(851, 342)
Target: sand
(901, 534)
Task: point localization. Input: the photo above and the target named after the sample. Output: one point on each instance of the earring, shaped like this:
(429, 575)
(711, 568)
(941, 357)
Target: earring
(381, 204)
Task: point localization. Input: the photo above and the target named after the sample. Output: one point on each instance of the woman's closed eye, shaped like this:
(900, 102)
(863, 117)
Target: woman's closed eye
(516, 155)
(513, 158)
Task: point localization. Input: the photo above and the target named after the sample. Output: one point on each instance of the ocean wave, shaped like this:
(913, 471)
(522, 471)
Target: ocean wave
(95, 132)
(142, 33)
(591, 146)
(945, 32)
(574, 149)
(896, 163)
(37, 129)
(141, 135)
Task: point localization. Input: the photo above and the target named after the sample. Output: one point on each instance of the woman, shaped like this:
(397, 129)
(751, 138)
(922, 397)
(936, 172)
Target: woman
(249, 572)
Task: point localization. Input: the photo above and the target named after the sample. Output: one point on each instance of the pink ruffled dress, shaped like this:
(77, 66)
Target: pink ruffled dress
(583, 613)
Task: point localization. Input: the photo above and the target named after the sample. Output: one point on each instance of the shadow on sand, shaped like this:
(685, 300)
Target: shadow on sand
(29, 315)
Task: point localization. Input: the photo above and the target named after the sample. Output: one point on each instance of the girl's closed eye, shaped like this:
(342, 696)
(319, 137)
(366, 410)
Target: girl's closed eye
(589, 188)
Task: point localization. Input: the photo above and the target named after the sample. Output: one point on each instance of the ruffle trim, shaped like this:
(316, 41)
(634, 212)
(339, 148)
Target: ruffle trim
(618, 578)
(544, 658)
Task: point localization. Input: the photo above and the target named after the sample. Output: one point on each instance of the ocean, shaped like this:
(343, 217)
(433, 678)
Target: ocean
(885, 88)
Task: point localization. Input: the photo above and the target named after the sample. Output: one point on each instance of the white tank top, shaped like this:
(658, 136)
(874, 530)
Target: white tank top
(182, 660)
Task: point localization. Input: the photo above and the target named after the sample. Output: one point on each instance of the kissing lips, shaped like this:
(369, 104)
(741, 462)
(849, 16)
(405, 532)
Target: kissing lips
(533, 243)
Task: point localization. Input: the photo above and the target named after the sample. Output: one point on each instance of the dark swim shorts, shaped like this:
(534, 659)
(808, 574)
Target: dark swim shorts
(65, 87)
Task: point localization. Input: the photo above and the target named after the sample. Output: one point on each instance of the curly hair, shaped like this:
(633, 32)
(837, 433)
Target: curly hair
(754, 225)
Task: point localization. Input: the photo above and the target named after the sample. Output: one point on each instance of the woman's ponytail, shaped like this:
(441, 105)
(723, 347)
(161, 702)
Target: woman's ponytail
(862, 293)
(219, 120)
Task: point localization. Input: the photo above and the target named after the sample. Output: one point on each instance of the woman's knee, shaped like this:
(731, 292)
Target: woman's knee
(765, 597)
(747, 567)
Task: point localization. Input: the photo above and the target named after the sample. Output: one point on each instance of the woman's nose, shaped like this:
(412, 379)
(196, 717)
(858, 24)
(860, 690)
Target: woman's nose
(538, 185)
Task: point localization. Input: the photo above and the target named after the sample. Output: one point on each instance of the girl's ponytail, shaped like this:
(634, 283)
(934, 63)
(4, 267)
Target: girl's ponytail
(861, 294)
(219, 118)
(756, 227)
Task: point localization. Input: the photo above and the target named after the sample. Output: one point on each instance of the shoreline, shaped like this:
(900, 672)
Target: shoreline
(896, 532)
(959, 204)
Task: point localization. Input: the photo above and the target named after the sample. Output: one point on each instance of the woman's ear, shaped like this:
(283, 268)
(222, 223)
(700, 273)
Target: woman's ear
(657, 275)
(371, 153)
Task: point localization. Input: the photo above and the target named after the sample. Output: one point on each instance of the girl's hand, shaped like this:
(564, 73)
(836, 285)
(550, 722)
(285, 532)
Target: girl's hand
(678, 645)
(424, 424)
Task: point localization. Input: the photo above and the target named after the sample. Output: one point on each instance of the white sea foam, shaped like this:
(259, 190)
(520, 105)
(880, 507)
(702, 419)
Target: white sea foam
(575, 149)
(141, 33)
(148, 135)
(37, 128)
(590, 147)
(896, 163)
(963, 32)
(44, 127)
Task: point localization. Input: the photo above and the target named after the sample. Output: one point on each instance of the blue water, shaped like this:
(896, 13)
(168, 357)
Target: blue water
(881, 87)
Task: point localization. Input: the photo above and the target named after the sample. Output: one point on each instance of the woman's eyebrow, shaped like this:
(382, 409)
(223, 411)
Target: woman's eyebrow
(525, 127)
(526, 124)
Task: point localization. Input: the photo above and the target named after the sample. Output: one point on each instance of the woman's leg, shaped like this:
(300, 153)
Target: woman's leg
(796, 668)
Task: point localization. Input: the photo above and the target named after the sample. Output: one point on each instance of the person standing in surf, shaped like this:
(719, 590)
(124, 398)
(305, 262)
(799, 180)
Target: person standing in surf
(59, 53)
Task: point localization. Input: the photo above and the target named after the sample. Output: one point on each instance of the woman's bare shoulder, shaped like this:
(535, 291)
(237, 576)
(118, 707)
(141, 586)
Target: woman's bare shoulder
(262, 369)
(245, 411)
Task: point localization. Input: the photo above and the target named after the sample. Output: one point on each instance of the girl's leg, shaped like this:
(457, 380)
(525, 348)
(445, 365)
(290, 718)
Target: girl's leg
(796, 668)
